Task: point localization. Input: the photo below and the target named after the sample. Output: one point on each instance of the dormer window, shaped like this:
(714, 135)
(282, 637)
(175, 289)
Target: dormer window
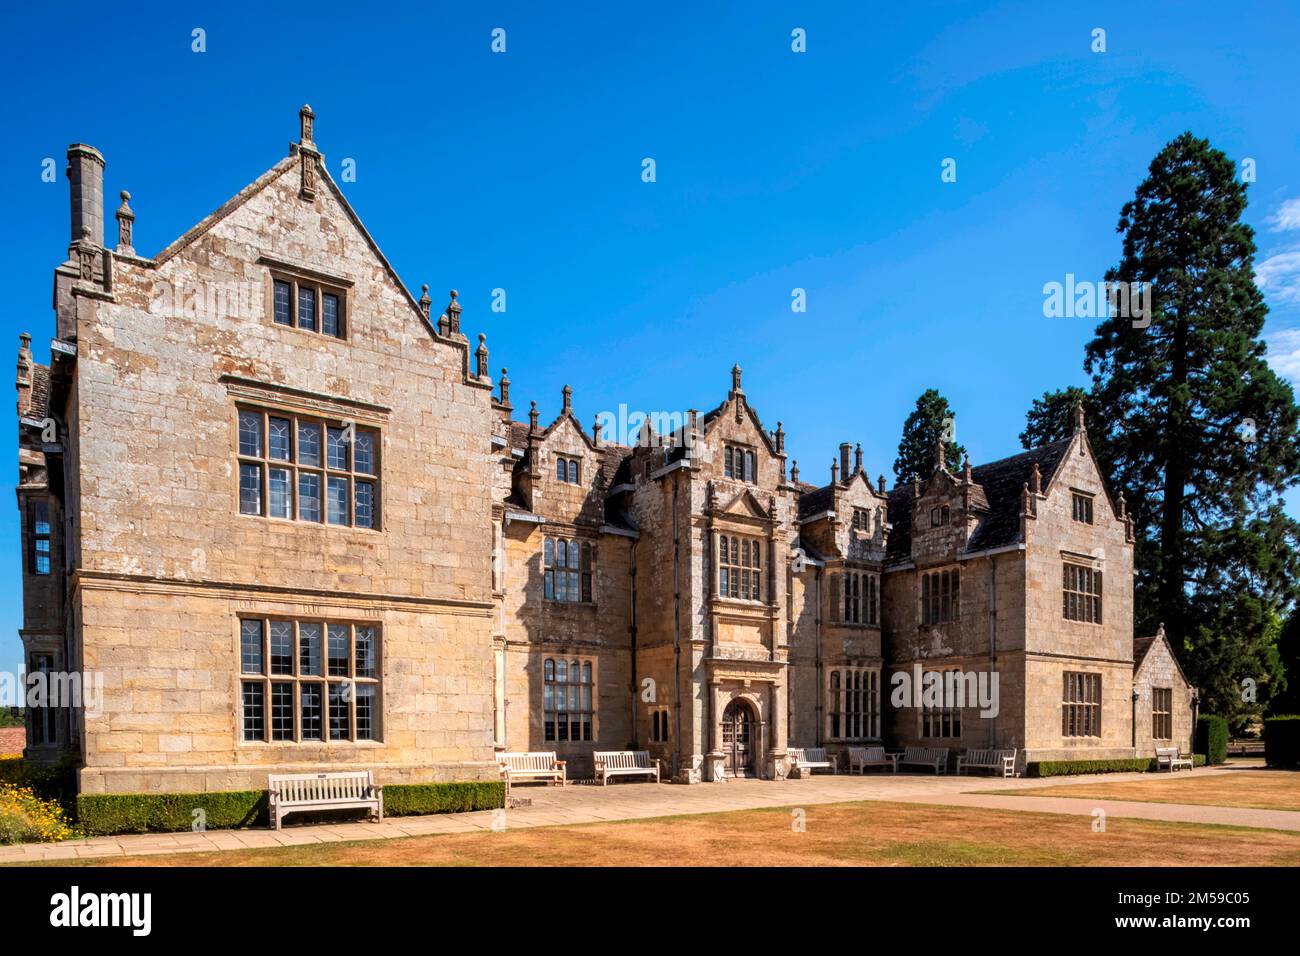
(1082, 507)
(567, 470)
(738, 463)
(308, 305)
(939, 516)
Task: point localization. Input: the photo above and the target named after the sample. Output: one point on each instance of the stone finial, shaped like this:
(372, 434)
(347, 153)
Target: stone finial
(307, 154)
(481, 357)
(442, 325)
(916, 486)
(1123, 506)
(880, 484)
(835, 471)
(125, 226)
(1078, 416)
(794, 472)
(1160, 631)
(780, 439)
(735, 378)
(453, 315)
(595, 431)
(857, 459)
(505, 388)
(24, 381)
(425, 301)
(1025, 507)
(1036, 480)
(532, 418)
(941, 453)
(567, 394)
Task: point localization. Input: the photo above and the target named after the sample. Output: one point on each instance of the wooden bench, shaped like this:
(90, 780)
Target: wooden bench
(804, 760)
(297, 793)
(1168, 758)
(625, 763)
(936, 758)
(860, 758)
(1003, 761)
(532, 765)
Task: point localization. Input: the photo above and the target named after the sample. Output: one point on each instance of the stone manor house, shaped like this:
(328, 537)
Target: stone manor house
(281, 508)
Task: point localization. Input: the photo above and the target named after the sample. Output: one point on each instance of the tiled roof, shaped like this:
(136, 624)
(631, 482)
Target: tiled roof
(518, 434)
(999, 486)
(40, 391)
(816, 501)
(1003, 481)
(1141, 645)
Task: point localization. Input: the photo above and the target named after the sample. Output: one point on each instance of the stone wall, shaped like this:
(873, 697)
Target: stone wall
(169, 563)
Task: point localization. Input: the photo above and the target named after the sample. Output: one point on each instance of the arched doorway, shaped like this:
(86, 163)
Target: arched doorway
(739, 738)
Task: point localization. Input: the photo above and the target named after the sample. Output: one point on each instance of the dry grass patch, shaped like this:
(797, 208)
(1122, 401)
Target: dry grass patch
(1253, 789)
(852, 834)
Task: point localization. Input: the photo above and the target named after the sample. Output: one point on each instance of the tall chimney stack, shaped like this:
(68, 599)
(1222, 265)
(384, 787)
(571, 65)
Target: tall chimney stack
(845, 450)
(86, 181)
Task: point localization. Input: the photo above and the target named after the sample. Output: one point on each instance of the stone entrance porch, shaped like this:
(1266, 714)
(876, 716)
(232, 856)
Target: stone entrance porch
(746, 697)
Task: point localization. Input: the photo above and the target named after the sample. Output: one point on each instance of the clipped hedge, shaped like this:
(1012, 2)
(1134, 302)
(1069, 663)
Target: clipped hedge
(1071, 768)
(412, 799)
(1282, 741)
(102, 814)
(1212, 738)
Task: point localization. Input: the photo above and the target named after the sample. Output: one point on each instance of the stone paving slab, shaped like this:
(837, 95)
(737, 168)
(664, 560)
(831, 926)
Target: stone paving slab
(559, 806)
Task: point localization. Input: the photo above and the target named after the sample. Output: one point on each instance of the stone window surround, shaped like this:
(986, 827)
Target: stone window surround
(585, 570)
(742, 459)
(266, 679)
(1096, 567)
(758, 565)
(940, 723)
(840, 702)
(929, 589)
(1162, 713)
(590, 711)
(278, 270)
(572, 466)
(1082, 503)
(326, 420)
(34, 537)
(50, 714)
(1081, 705)
(660, 732)
(868, 598)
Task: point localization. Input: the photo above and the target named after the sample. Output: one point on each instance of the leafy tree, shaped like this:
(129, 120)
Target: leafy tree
(931, 419)
(1201, 435)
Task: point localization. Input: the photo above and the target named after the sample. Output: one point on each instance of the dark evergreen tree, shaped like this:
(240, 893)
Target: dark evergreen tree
(1200, 434)
(917, 451)
(1051, 418)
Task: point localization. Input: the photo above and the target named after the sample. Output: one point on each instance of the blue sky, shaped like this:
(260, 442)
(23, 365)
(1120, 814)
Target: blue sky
(775, 170)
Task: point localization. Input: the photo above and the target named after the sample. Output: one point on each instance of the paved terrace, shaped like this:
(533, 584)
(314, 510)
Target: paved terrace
(540, 806)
